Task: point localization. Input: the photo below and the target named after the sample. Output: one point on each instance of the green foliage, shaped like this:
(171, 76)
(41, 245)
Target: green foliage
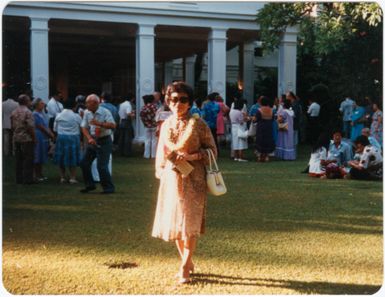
(273, 19)
(333, 22)
(339, 45)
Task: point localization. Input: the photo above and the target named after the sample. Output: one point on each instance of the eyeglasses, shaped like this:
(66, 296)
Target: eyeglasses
(175, 100)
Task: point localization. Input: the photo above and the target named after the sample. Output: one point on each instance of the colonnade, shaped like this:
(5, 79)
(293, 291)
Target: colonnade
(145, 63)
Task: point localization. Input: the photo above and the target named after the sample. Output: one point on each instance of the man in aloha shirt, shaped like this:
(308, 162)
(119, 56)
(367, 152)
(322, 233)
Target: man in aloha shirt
(369, 167)
(210, 112)
(147, 115)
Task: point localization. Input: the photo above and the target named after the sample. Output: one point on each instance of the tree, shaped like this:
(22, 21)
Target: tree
(333, 23)
(339, 47)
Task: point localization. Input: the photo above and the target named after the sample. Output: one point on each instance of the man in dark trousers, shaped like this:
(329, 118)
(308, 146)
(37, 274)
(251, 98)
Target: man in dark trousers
(97, 126)
(23, 126)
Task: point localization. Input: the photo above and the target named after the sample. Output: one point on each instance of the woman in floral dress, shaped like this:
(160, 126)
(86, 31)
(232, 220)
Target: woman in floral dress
(376, 126)
(181, 206)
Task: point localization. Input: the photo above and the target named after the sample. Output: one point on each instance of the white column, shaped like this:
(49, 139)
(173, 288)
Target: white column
(168, 69)
(190, 70)
(145, 71)
(287, 62)
(248, 72)
(39, 58)
(216, 80)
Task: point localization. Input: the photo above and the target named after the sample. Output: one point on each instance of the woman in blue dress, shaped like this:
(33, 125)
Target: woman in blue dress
(43, 133)
(285, 148)
(358, 118)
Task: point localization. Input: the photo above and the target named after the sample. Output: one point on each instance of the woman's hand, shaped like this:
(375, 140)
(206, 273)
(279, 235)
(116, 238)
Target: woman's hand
(187, 157)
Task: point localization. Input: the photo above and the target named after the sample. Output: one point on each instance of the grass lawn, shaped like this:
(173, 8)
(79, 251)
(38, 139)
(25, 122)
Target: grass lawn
(276, 232)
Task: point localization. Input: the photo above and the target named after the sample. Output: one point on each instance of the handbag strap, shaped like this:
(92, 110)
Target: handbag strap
(212, 160)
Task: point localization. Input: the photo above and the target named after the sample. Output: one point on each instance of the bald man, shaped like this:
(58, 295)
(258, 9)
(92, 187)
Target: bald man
(97, 128)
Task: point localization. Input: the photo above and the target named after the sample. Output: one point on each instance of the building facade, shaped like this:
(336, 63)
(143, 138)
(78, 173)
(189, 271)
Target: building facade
(84, 47)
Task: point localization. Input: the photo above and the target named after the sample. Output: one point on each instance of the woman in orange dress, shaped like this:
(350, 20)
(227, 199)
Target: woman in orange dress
(181, 206)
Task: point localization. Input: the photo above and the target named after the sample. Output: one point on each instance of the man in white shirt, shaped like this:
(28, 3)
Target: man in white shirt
(126, 130)
(54, 107)
(97, 125)
(346, 108)
(313, 112)
(8, 106)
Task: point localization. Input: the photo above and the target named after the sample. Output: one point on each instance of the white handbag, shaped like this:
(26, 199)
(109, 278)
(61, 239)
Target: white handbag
(252, 130)
(215, 183)
(242, 132)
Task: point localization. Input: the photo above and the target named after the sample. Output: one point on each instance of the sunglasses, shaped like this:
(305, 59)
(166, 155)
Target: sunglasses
(182, 100)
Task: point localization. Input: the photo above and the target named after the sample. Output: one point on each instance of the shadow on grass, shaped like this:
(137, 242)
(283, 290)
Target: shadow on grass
(299, 286)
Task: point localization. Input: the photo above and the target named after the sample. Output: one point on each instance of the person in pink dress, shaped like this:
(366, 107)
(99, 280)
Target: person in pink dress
(221, 118)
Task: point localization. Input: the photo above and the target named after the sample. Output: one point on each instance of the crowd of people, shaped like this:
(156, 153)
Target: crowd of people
(61, 129)
(355, 151)
(181, 133)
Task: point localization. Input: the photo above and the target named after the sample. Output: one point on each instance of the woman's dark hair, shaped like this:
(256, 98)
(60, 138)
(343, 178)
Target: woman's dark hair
(130, 96)
(291, 94)
(362, 139)
(238, 104)
(359, 102)
(198, 102)
(378, 103)
(286, 103)
(265, 101)
(322, 141)
(212, 96)
(180, 87)
(70, 103)
(148, 99)
(106, 97)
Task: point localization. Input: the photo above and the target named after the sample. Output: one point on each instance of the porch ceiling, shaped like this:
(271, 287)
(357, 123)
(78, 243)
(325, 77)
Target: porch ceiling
(171, 42)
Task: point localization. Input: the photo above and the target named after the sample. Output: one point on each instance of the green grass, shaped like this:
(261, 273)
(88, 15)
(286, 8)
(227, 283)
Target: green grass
(276, 232)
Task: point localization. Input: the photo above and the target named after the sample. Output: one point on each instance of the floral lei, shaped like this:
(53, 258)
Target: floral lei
(174, 141)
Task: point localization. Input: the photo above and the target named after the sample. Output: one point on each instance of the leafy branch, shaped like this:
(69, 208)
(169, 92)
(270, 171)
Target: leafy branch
(332, 23)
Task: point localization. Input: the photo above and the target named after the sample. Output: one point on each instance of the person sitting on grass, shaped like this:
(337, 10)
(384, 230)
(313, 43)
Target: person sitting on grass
(369, 167)
(373, 141)
(318, 156)
(339, 155)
